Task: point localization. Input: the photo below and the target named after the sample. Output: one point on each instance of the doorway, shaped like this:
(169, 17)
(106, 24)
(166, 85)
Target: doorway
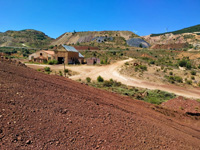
(61, 60)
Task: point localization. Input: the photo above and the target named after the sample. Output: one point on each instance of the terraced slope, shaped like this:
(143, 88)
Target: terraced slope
(39, 111)
(101, 38)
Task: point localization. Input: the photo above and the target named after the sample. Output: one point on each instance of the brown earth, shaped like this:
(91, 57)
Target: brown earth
(40, 111)
(86, 48)
(171, 46)
(182, 104)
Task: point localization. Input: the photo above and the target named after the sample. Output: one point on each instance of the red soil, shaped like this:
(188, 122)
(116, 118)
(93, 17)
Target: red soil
(183, 104)
(86, 48)
(40, 111)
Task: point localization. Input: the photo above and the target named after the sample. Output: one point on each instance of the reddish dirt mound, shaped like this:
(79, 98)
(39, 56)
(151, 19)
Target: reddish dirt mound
(39, 111)
(86, 48)
(174, 46)
(183, 104)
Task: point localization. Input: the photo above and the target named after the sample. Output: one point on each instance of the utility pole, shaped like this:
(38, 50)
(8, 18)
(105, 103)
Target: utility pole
(64, 66)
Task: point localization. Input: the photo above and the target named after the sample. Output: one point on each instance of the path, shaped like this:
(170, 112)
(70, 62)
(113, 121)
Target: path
(111, 71)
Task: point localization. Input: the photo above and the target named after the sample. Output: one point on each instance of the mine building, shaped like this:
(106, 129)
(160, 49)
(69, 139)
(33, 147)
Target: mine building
(42, 56)
(62, 53)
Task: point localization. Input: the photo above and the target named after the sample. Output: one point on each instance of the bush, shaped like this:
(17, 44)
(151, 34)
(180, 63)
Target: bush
(88, 79)
(185, 63)
(171, 73)
(192, 77)
(47, 69)
(193, 72)
(173, 79)
(157, 96)
(126, 63)
(189, 82)
(199, 66)
(141, 68)
(178, 79)
(52, 62)
(107, 83)
(100, 79)
(60, 73)
(66, 71)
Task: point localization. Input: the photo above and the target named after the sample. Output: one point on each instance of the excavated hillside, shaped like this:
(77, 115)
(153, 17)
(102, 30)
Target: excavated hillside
(40, 111)
(184, 38)
(171, 41)
(100, 38)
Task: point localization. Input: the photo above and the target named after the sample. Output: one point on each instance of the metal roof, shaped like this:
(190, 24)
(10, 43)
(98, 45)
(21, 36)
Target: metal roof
(72, 49)
(80, 55)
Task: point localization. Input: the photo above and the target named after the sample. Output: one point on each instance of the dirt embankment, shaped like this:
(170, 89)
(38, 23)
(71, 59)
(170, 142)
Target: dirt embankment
(39, 111)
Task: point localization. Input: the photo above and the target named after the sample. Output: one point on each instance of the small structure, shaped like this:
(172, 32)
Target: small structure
(93, 60)
(42, 56)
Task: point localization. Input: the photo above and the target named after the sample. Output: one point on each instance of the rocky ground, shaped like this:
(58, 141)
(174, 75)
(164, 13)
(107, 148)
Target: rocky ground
(40, 111)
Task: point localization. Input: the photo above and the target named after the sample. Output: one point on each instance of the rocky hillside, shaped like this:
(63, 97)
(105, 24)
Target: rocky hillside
(185, 38)
(101, 39)
(24, 38)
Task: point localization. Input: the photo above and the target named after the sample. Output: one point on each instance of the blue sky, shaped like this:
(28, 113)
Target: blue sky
(54, 17)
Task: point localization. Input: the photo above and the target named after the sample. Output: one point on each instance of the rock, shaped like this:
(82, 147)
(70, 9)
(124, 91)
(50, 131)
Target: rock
(28, 142)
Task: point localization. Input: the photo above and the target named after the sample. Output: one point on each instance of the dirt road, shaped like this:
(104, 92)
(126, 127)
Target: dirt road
(40, 111)
(111, 71)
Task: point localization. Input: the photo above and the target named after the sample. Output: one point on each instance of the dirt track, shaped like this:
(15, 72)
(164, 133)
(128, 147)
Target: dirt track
(111, 71)
(40, 111)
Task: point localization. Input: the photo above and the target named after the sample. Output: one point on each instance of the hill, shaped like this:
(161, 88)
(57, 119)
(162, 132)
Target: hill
(24, 38)
(191, 29)
(180, 39)
(40, 111)
(101, 39)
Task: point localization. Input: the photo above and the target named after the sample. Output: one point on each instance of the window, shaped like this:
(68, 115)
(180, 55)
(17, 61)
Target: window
(40, 54)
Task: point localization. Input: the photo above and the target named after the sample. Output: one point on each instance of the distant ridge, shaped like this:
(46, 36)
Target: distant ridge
(24, 38)
(191, 29)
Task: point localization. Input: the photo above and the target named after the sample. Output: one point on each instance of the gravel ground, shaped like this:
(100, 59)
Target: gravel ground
(40, 111)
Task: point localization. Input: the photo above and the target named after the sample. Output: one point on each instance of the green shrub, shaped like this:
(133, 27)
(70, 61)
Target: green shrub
(199, 66)
(107, 83)
(100, 79)
(88, 79)
(66, 71)
(52, 62)
(141, 68)
(60, 73)
(47, 69)
(193, 72)
(178, 79)
(126, 63)
(185, 63)
(171, 73)
(189, 82)
(192, 77)
(157, 96)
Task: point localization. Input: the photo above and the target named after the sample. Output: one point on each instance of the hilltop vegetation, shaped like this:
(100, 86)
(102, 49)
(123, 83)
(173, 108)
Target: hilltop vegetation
(191, 29)
(25, 38)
